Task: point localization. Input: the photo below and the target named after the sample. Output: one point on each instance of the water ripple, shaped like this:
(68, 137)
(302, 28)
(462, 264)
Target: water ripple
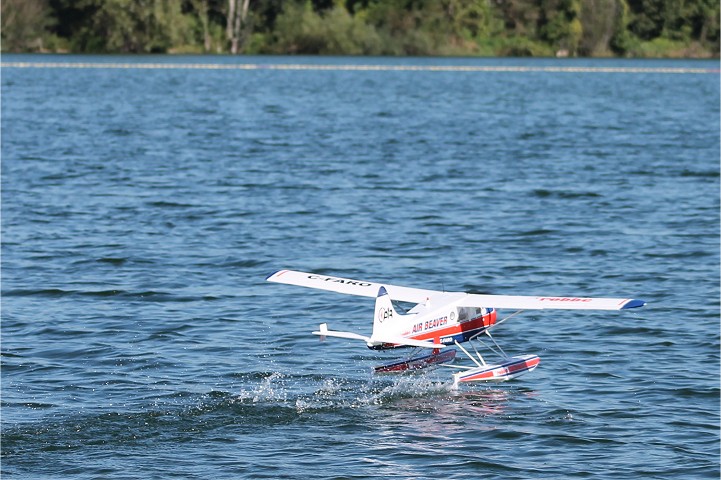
(142, 210)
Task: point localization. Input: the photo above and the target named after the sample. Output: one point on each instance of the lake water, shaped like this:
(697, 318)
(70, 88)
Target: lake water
(142, 209)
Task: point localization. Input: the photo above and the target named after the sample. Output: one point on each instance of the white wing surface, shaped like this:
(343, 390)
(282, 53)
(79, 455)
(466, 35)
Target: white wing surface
(418, 295)
(349, 286)
(540, 303)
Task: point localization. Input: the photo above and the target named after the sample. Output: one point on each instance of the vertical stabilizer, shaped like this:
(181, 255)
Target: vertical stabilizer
(385, 314)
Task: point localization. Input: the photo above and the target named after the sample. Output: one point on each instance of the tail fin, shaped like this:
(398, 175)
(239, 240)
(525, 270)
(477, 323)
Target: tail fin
(385, 314)
(388, 323)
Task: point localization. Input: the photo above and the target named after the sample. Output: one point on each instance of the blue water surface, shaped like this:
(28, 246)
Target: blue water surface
(142, 210)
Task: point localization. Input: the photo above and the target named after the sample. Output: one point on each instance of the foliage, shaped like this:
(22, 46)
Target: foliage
(604, 25)
(299, 29)
(25, 24)
(128, 26)
(367, 27)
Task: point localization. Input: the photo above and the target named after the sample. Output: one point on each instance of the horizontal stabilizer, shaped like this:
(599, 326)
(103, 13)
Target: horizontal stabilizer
(405, 341)
(324, 332)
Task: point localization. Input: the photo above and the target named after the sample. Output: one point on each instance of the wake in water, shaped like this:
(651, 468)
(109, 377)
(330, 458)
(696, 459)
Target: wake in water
(314, 393)
(416, 391)
(264, 399)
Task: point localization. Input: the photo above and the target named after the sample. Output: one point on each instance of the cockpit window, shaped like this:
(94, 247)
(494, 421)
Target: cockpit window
(469, 313)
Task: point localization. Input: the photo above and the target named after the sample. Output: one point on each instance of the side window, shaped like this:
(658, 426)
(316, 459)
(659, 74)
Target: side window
(466, 314)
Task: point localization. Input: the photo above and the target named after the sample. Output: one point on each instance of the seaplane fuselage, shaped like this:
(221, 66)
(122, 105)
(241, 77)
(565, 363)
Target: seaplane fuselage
(445, 325)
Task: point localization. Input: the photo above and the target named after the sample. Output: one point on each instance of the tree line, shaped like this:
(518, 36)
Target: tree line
(632, 28)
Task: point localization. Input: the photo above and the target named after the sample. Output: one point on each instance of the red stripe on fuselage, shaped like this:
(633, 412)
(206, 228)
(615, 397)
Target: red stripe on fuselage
(475, 324)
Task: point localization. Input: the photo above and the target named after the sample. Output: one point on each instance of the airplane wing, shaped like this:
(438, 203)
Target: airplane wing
(350, 287)
(418, 295)
(540, 303)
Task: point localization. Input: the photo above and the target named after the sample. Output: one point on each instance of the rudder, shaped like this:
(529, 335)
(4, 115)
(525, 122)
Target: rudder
(385, 314)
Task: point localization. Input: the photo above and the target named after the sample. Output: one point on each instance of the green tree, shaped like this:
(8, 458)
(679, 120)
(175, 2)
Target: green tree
(399, 24)
(300, 29)
(473, 19)
(600, 19)
(201, 9)
(560, 24)
(622, 39)
(704, 21)
(133, 26)
(521, 17)
(422, 27)
(666, 25)
(361, 27)
(648, 18)
(25, 25)
(349, 35)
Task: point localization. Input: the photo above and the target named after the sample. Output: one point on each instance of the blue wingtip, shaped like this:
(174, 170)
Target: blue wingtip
(268, 277)
(633, 304)
(382, 291)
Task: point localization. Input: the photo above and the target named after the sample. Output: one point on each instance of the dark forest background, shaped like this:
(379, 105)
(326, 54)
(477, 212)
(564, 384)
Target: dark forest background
(627, 28)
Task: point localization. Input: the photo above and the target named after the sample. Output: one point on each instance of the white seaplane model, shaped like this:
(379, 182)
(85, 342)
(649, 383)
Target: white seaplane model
(442, 319)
